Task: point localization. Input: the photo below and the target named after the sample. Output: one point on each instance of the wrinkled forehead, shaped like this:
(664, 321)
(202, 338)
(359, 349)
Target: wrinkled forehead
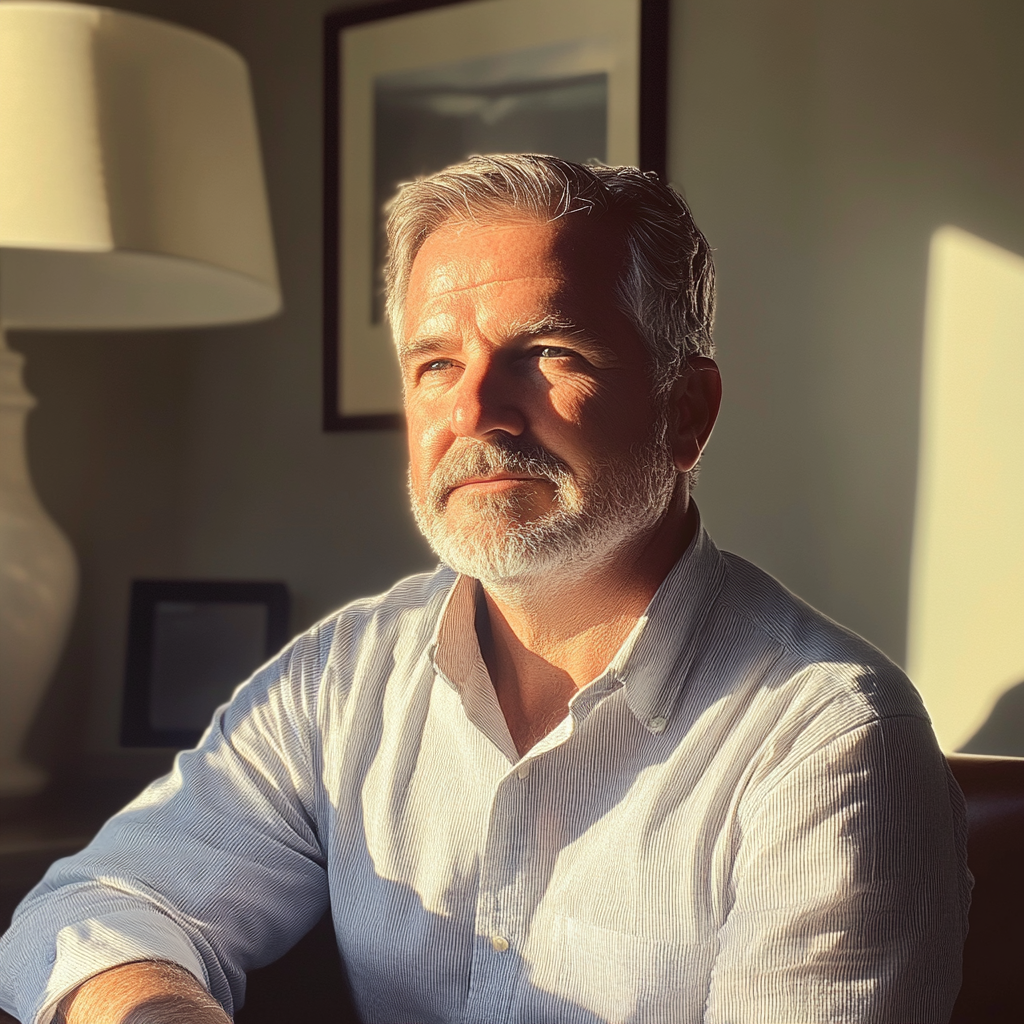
(464, 255)
(467, 254)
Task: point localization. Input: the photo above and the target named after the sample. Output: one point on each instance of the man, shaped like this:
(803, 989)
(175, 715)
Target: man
(591, 769)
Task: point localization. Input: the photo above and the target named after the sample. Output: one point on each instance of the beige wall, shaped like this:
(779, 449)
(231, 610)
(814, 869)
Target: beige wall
(819, 144)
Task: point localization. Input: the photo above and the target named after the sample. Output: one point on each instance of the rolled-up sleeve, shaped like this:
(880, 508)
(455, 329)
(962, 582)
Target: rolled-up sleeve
(218, 866)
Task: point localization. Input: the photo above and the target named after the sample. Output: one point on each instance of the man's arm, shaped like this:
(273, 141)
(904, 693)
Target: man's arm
(218, 867)
(151, 992)
(850, 889)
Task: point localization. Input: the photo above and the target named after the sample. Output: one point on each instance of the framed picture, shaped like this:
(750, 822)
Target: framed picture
(415, 85)
(190, 643)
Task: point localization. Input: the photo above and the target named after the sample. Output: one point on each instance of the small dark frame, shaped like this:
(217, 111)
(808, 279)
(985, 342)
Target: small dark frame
(137, 728)
(653, 151)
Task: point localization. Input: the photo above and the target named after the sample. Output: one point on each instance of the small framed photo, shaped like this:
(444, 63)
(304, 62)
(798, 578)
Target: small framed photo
(415, 85)
(190, 643)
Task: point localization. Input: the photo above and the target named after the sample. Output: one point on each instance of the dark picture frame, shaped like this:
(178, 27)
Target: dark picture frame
(360, 376)
(238, 624)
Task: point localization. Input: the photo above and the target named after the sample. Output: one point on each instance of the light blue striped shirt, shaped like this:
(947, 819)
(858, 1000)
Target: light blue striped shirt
(744, 819)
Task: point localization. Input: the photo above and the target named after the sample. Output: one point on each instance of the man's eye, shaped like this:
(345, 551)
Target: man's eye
(554, 352)
(437, 364)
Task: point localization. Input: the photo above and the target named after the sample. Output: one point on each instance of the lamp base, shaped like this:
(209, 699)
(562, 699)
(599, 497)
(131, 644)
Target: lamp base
(38, 585)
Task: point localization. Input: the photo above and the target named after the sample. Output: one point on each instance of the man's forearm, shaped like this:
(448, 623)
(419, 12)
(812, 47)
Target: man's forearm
(149, 992)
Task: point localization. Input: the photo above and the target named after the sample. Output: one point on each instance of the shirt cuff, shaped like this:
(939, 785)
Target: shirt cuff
(90, 947)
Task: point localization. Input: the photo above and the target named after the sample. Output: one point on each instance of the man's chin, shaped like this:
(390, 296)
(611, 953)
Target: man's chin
(508, 559)
(503, 576)
(468, 510)
(487, 551)
(482, 557)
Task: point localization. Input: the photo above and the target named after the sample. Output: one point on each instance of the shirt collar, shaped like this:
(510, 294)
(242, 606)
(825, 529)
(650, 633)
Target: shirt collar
(655, 658)
(652, 663)
(455, 650)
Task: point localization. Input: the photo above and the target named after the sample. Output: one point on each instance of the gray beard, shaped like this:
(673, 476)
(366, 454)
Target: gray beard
(588, 523)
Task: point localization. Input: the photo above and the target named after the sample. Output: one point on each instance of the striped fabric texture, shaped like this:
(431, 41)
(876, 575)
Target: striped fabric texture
(744, 819)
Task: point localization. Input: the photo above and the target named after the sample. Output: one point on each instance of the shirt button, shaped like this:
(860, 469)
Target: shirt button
(500, 943)
(657, 724)
(523, 770)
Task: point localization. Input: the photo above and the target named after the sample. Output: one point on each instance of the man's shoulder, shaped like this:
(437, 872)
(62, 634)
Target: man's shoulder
(420, 596)
(366, 636)
(787, 619)
(812, 653)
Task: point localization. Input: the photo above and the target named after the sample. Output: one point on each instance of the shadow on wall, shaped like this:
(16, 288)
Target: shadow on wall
(1003, 731)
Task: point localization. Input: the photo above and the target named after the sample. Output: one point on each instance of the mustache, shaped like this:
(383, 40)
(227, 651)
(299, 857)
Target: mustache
(503, 455)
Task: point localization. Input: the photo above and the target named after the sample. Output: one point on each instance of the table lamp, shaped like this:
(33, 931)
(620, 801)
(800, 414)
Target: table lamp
(131, 196)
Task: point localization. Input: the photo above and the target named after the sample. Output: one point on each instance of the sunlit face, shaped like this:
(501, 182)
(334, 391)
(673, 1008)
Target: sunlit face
(535, 442)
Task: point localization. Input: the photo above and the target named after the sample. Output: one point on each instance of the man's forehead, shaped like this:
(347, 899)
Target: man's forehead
(465, 255)
(564, 253)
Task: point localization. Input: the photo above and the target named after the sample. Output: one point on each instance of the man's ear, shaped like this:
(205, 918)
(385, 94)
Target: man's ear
(693, 409)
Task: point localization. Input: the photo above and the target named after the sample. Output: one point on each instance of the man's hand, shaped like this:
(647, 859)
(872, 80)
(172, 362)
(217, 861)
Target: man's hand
(149, 992)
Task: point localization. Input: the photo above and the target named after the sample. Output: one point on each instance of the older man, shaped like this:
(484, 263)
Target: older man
(592, 768)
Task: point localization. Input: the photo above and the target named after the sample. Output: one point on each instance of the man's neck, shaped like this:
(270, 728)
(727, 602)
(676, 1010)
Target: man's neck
(543, 642)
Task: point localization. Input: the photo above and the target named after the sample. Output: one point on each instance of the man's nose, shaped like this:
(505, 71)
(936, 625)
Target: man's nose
(486, 401)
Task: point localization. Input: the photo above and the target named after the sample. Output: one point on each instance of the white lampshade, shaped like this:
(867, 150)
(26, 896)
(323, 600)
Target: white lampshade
(131, 186)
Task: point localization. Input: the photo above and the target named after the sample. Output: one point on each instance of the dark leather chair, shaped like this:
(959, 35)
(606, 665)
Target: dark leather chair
(993, 985)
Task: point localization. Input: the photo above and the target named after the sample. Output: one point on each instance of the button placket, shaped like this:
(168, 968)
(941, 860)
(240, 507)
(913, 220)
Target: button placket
(494, 974)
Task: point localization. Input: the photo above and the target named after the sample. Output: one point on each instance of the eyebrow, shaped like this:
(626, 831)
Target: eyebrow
(518, 330)
(426, 346)
(563, 326)
(557, 327)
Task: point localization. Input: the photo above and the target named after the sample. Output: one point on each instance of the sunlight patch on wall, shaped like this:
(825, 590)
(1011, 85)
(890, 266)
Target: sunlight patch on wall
(966, 622)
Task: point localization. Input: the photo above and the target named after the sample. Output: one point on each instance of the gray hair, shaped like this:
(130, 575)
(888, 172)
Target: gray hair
(667, 288)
